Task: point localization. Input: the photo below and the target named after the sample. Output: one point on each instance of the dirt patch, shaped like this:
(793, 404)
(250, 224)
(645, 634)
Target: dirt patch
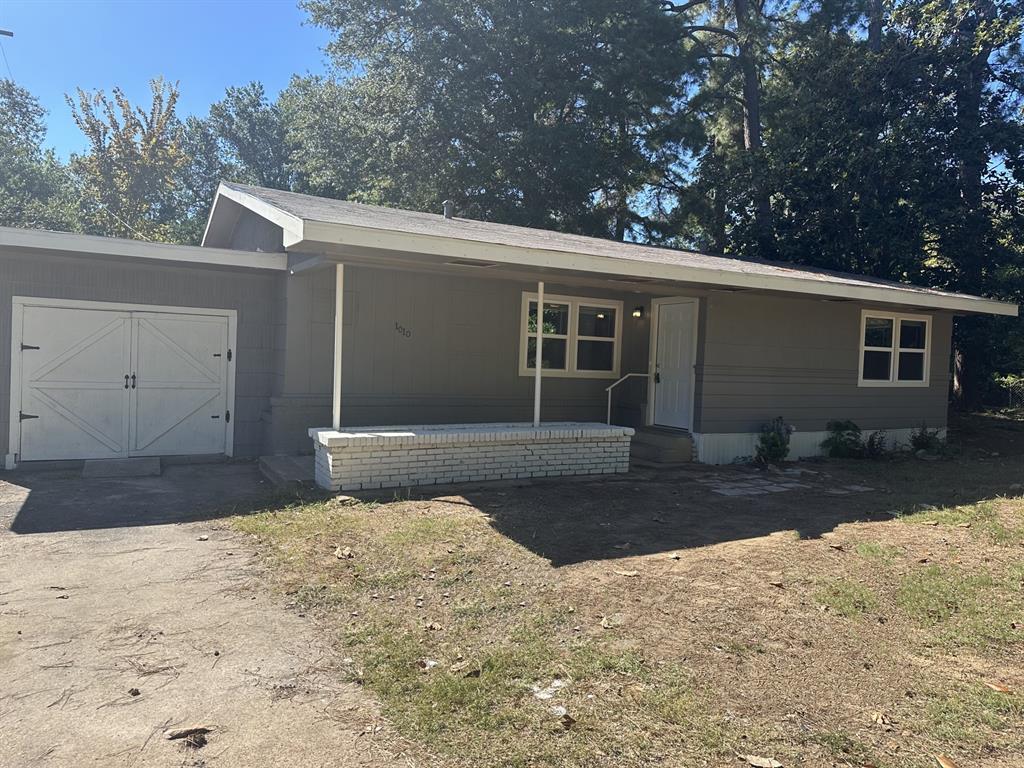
(651, 620)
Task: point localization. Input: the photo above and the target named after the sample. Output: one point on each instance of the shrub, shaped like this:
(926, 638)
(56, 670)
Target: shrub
(773, 445)
(925, 439)
(844, 440)
(874, 447)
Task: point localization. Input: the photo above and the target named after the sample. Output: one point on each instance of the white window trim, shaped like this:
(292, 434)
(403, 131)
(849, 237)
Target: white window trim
(895, 349)
(572, 337)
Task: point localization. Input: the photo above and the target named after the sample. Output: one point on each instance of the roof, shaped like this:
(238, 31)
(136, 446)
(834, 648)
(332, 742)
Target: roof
(311, 222)
(72, 243)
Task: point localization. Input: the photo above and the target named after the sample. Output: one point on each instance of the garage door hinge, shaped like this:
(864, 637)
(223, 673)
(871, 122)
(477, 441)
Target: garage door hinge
(22, 416)
(27, 346)
(229, 355)
(227, 417)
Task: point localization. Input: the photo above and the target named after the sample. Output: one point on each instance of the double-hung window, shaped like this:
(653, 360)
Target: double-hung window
(582, 337)
(894, 349)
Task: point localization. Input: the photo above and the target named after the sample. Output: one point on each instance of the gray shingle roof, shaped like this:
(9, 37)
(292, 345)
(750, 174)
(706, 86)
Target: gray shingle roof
(329, 211)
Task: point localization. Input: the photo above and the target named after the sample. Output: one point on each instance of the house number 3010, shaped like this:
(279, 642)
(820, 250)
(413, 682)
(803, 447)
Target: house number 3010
(403, 331)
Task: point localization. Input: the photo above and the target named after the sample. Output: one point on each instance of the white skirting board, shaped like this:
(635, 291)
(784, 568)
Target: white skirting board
(725, 448)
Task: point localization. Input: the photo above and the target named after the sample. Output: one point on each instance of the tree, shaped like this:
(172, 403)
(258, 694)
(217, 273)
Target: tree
(549, 115)
(252, 136)
(129, 176)
(34, 191)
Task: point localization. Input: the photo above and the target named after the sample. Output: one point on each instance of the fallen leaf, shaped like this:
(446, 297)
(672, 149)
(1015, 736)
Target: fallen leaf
(837, 547)
(762, 762)
(343, 553)
(613, 620)
(945, 761)
(627, 545)
(426, 663)
(567, 721)
(434, 626)
(629, 574)
(181, 733)
(775, 584)
(929, 522)
(998, 687)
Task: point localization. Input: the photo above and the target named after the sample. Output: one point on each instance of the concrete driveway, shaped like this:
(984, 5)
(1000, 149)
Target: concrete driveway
(118, 622)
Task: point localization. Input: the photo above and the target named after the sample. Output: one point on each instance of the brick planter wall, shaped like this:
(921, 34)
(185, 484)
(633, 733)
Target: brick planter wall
(392, 457)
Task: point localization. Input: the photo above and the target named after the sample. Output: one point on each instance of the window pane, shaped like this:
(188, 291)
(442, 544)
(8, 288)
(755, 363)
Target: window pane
(597, 321)
(876, 365)
(552, 353)
(912, 334)
(595, 355)
(878, 333)
(556, 318)
(911, 367)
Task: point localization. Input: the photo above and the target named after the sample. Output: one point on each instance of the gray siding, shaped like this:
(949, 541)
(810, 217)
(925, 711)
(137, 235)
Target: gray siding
(768, 356)
(458, 363)
(249, 292)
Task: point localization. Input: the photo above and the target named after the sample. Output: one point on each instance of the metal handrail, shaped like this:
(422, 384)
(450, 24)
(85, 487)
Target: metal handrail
(609, 389)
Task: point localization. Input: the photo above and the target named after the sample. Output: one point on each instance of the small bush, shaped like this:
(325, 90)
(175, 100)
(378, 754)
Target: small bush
(844, 440)
(925, 439)
(874, 446)
(773, 445)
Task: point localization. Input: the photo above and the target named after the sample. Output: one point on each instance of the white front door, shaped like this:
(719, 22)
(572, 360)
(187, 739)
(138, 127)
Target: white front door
(99, 383)
(673, 364)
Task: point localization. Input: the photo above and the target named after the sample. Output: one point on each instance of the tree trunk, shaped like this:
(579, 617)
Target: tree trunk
(875, 23)
(752, 141)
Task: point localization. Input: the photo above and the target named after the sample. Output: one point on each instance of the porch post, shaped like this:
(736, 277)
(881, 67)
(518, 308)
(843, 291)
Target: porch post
(339, 317)
(538, 358)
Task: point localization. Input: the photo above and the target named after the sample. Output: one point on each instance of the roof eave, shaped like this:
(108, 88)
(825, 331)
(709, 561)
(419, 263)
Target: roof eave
(120, 248)
(315, 235)
(290, 224)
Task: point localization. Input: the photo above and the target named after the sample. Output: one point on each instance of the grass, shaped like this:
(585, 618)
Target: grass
(987, 519)
(846, 598)
(973, 714)
(753, 644)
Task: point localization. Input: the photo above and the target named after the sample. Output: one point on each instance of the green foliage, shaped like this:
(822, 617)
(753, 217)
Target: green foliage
(844, 440)
(924, 439)
(875, 445)
(773, 443)
(34, 192)
(550, 115)
(128, 175)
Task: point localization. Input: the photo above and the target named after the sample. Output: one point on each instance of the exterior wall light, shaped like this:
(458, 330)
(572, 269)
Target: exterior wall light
(638, 311)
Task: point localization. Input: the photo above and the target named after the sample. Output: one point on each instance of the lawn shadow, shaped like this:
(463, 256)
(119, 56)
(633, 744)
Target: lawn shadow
(62, 500)
(659, 512)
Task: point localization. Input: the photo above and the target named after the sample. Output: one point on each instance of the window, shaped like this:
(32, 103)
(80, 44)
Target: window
(894, 350)
(581, 337)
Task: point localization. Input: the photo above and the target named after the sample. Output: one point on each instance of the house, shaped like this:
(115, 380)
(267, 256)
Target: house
(403, 346)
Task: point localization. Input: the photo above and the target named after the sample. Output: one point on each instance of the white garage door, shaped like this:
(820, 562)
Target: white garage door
(102, 383)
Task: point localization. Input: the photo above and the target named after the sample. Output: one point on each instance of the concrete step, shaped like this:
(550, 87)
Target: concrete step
(287, 472)
(662, 445)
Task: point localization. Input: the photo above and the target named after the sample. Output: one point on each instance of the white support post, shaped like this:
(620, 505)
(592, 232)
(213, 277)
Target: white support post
(339, 322)
(538, 358)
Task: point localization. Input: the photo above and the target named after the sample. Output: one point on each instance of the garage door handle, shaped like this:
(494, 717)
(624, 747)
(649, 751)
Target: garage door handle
(126, 381)
(133, 381)
(22, 416)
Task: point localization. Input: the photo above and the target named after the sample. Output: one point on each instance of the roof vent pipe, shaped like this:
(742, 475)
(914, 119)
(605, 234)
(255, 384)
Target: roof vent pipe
(449, 208)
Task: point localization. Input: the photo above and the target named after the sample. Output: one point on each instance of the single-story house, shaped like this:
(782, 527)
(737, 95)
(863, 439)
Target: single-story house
(403, 346)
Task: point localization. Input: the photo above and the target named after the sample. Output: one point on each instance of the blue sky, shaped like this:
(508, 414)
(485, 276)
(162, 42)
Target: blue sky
(206, 45)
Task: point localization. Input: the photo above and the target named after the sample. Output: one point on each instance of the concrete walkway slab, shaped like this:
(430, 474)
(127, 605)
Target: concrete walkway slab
(148, 466)
(113, 629)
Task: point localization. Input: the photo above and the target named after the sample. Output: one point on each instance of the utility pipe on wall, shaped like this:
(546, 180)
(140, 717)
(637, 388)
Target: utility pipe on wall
(339, 322)
(538, 358)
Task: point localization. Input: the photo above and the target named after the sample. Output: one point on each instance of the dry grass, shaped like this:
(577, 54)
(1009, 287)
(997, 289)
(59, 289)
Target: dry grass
(682, 628)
